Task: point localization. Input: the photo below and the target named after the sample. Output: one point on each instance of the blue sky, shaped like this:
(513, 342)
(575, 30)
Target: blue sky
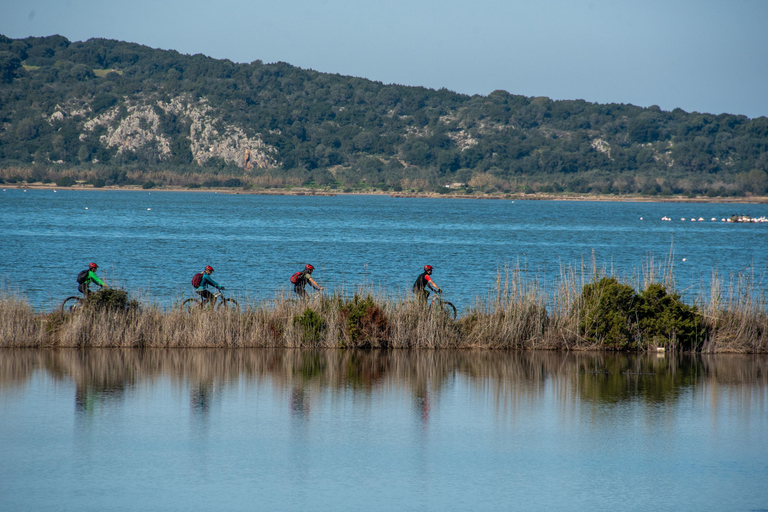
(704, 55)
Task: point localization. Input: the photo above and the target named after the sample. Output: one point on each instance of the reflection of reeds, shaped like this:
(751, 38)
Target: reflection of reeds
(508, 376)
(520, 313)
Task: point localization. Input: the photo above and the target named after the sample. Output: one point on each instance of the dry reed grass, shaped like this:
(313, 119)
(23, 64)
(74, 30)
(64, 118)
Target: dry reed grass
(520, 313)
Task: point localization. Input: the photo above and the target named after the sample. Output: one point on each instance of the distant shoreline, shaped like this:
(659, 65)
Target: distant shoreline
(301, 191)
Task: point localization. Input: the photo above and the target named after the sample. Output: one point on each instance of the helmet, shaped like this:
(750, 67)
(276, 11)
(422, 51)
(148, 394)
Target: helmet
(427, 268)
(209, 268)
(93, 265)
(308, 267)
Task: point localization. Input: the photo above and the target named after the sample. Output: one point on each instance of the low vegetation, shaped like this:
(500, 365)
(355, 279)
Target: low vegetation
(584, 311)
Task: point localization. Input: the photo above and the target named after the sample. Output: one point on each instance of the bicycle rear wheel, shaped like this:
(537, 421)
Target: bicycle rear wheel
(190, 305)
(71, 304)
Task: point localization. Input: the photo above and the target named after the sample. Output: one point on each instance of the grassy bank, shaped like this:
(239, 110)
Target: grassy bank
(583, 310)
(299, 190)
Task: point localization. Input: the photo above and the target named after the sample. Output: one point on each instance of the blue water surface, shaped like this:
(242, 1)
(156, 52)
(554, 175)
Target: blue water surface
(153, 242)
(298, 430)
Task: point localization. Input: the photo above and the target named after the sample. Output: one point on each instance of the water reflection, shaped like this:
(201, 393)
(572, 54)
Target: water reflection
(383, 430)
(104, 376)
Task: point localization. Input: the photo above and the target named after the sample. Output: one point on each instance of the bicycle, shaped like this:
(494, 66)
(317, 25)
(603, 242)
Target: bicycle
(436, 303)
(71, 304)
(219, 301)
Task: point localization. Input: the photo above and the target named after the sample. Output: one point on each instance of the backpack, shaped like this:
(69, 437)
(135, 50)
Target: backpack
(296, 278)
(82, 276)
(197, 279)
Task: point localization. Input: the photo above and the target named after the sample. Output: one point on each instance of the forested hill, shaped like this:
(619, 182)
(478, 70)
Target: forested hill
(113, 112)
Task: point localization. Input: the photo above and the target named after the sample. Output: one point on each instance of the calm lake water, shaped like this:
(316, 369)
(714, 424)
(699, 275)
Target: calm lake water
(346, 430)
(153, 242)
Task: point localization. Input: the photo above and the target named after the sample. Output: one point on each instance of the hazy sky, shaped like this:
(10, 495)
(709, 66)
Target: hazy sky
(699, 55)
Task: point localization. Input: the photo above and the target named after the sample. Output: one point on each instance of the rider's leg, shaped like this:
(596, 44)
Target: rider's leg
(299, 290)
(206, 296)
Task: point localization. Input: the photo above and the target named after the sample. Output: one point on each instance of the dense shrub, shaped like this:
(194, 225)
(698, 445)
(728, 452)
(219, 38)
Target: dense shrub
(111, 299)
(366, 323)
(666, 321)
(66, 181)
(615, 316)
(609, 310)
(312, 326)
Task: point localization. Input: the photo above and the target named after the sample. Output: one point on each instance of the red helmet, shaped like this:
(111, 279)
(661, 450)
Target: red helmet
(209, 268)
(93, 265)
(427, 268)
(308, 267)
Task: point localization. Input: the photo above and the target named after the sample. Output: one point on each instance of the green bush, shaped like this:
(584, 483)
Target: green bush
(609, 310)
(111, 299)
(312, 326)
(666, 320)
(98, 183)
(66, 181)
(148, 184)
(615, 316)
(366, 322)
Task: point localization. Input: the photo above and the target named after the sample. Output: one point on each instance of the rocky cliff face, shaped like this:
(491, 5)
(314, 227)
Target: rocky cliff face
(136, 125)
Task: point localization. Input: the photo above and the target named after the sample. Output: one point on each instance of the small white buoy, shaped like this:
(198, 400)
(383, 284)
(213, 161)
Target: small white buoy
(713, 219)
(86, 207)
(683, 259)
(149, 209)
(54, 190)
(641, 218)
(25, 190)
(682, 218)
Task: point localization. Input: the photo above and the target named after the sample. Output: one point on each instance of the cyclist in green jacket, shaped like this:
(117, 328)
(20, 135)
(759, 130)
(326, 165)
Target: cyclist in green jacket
(89, 278)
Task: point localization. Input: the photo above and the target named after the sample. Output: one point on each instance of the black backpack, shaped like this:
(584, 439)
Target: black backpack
(82, 276)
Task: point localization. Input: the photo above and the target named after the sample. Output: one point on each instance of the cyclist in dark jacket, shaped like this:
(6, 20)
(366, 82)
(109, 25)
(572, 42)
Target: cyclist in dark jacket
(422, 282)
(302, 279)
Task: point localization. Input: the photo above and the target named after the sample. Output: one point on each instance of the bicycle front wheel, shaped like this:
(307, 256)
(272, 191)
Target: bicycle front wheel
(444, 307)
(191, 304)
(71, 304)
(228, 304)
